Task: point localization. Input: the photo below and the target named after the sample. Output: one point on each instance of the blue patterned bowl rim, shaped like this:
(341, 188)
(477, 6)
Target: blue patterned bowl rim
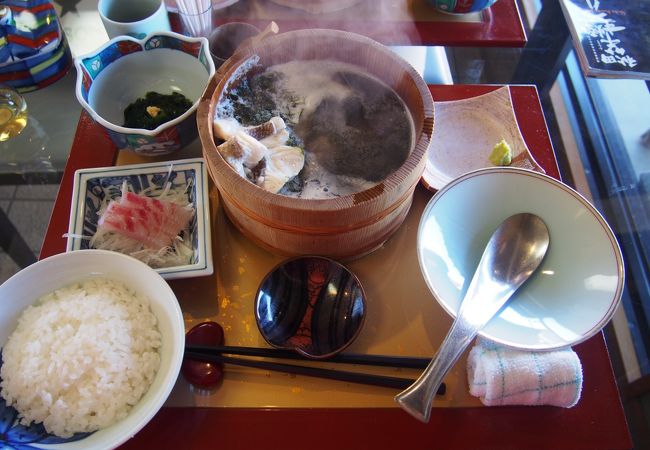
(204, 58)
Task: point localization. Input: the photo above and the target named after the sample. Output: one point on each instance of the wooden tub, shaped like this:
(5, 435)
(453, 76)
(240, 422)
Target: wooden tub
(345, 227)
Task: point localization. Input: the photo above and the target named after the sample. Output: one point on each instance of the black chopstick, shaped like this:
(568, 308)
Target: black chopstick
(352, 377)
(407, 362)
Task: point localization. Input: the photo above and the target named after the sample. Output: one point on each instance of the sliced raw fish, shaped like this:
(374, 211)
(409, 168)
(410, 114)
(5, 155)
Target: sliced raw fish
(153, 222)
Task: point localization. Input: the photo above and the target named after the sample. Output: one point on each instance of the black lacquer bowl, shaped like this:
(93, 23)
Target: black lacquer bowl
(311, 304)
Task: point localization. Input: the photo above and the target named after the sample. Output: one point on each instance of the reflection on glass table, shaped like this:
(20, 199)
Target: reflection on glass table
(39, 153)
(13, 120)
(13, 113)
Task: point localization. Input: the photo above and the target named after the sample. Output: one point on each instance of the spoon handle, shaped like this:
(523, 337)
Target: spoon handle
(512, 254)
(482, 301)
(417, 398)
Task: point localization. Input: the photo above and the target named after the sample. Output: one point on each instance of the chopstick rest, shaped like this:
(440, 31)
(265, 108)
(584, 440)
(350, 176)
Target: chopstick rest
(500, 375)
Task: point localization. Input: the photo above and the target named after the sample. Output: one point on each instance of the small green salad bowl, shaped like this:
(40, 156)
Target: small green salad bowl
(125, 69)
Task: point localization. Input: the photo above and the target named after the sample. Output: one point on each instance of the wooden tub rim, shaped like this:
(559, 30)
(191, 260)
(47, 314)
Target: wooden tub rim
(391, 183)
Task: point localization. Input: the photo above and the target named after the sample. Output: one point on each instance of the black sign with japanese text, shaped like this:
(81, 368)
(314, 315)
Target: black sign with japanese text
(614, 36)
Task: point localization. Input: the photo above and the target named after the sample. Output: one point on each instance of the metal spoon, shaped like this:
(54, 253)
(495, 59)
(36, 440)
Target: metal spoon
(512, 254)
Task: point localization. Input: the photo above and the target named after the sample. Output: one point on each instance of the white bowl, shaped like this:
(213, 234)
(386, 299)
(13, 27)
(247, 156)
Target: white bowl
(61, 270)
(92, 187)
(575, 291)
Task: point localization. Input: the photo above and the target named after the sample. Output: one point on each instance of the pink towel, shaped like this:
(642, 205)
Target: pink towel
(499, 375)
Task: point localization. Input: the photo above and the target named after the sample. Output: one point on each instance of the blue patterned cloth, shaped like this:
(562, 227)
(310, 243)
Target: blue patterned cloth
(500, 375)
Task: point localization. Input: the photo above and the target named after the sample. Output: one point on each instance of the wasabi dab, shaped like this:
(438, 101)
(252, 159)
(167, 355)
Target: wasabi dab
(501, 154)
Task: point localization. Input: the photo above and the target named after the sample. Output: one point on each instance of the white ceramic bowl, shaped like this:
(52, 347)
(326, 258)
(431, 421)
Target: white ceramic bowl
(64, 269)
(125, 69)
(575, 291)
(93, 187)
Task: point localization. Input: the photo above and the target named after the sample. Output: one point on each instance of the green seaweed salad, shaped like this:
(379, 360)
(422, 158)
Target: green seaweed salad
(155, 109)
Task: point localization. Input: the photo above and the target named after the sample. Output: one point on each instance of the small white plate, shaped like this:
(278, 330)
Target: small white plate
(91, 186)
(465, 133)
(578, 286)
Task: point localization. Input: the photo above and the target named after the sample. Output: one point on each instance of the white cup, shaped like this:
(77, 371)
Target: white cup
(135, 18)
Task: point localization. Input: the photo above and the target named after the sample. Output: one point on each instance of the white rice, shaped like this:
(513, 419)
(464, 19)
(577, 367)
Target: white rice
(81, 358)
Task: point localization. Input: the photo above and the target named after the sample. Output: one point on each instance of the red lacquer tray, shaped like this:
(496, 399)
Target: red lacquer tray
(597, 422)
(392, 22)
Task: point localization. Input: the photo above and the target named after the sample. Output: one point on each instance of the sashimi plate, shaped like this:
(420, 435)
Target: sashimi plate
(465, 134)
(93, 188)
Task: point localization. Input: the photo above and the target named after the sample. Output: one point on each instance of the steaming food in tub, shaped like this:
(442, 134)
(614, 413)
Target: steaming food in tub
(81, 357)
(312, 129)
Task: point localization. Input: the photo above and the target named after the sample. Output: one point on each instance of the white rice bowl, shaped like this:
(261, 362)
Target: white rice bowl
(81, 358)
(129, 369)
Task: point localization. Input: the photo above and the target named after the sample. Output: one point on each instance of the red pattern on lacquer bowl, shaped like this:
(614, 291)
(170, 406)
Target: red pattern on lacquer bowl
(192, 48)
(86, 81)
(463, 6)
(127, 47)
(170, 134)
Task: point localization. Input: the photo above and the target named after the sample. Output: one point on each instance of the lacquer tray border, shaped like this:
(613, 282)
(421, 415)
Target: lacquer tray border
(501, 26)
(597, 422)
